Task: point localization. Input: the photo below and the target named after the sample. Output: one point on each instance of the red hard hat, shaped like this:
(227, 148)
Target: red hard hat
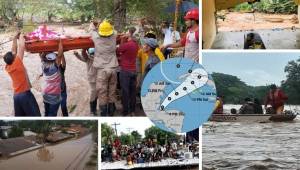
(192, 14)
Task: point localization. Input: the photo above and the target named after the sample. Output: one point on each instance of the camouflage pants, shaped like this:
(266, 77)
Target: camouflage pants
(93, 91)
(106, 85)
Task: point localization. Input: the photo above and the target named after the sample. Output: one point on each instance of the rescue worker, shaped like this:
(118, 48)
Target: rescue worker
(128, 52)
(218, 106)
(24, 101)
(258, 107)
(87, 56)
(106, 64)
(276, 99)
(191, 40)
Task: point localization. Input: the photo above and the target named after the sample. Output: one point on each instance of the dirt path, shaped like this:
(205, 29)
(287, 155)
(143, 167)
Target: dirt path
(76, 79)
(237, 21)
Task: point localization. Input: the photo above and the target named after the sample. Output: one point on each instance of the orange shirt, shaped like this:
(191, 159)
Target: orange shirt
(18, 74)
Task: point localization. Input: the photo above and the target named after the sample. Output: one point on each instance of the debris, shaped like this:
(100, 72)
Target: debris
(294, 19)
(274, 19)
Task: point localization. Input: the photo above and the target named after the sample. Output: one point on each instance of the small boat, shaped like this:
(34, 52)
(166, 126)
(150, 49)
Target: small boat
(260, 118)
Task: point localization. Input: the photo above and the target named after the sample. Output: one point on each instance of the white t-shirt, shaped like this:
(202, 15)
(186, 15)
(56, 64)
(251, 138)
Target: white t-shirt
(175, 36)
(170, 37)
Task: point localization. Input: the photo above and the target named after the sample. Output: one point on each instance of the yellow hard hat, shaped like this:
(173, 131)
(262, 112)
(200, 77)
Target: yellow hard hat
(105, 29)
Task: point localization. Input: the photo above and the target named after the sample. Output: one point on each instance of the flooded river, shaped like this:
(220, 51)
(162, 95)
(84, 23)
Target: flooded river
(251, 146)
(66, 155)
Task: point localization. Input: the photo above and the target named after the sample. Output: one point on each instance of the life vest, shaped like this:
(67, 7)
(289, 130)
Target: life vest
(275, 95)
(276, 99)
(219, 107)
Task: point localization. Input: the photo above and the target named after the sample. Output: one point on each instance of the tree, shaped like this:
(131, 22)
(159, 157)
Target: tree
(107, 133)
(270, 6)
(119, 14)
(291, 85)
(16, 132)
(94, 130)
(160, 135)
(136, 136)
(234, 91)
(9, 10)
(230, 88)
(43, 128)
(126, 139)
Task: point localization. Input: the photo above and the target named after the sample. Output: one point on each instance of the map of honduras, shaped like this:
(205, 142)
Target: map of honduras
(178, 95)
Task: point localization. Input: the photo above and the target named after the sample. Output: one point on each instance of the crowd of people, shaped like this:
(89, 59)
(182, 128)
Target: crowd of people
(147, 151)
(124, 62)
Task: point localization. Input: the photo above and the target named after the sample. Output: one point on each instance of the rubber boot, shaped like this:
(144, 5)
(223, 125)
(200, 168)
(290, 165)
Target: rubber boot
(93, 107)
(104, 110)
(111, 109)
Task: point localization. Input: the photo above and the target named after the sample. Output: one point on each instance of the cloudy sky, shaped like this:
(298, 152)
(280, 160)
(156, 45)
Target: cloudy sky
(137, 123)
(254, 68)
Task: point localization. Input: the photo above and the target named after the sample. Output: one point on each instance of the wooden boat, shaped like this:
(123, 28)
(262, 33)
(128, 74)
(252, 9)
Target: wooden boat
(252, 117)
(38, 46)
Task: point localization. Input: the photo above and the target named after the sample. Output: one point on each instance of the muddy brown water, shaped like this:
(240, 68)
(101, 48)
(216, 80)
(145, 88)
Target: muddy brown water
(251, 146)
(57, 157)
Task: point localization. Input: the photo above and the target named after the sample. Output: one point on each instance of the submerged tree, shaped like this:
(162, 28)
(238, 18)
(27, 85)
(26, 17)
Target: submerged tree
(16, 132)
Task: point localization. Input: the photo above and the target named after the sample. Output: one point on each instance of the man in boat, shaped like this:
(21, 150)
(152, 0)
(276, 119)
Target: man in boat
(218, 106)
(191, 41)
(276, 99)
(87, 56)
(248, 107)
(24, 101)
(106, 64)
(258, 107)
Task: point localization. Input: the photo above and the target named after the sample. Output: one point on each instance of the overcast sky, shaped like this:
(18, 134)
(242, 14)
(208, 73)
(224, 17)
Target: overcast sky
(253, 68)
(137, 123)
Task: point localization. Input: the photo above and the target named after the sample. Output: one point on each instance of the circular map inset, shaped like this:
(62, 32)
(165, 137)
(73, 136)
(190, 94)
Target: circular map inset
(178, 95)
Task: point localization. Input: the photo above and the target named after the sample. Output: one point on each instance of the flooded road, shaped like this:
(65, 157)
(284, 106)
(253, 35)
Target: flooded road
(62, 156)
(251, 146)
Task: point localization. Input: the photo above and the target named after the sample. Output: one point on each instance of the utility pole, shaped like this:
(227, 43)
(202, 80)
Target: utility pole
(129, 130)
(115, 127)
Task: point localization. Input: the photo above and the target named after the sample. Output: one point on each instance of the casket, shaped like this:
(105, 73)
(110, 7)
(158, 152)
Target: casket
(38, 46)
